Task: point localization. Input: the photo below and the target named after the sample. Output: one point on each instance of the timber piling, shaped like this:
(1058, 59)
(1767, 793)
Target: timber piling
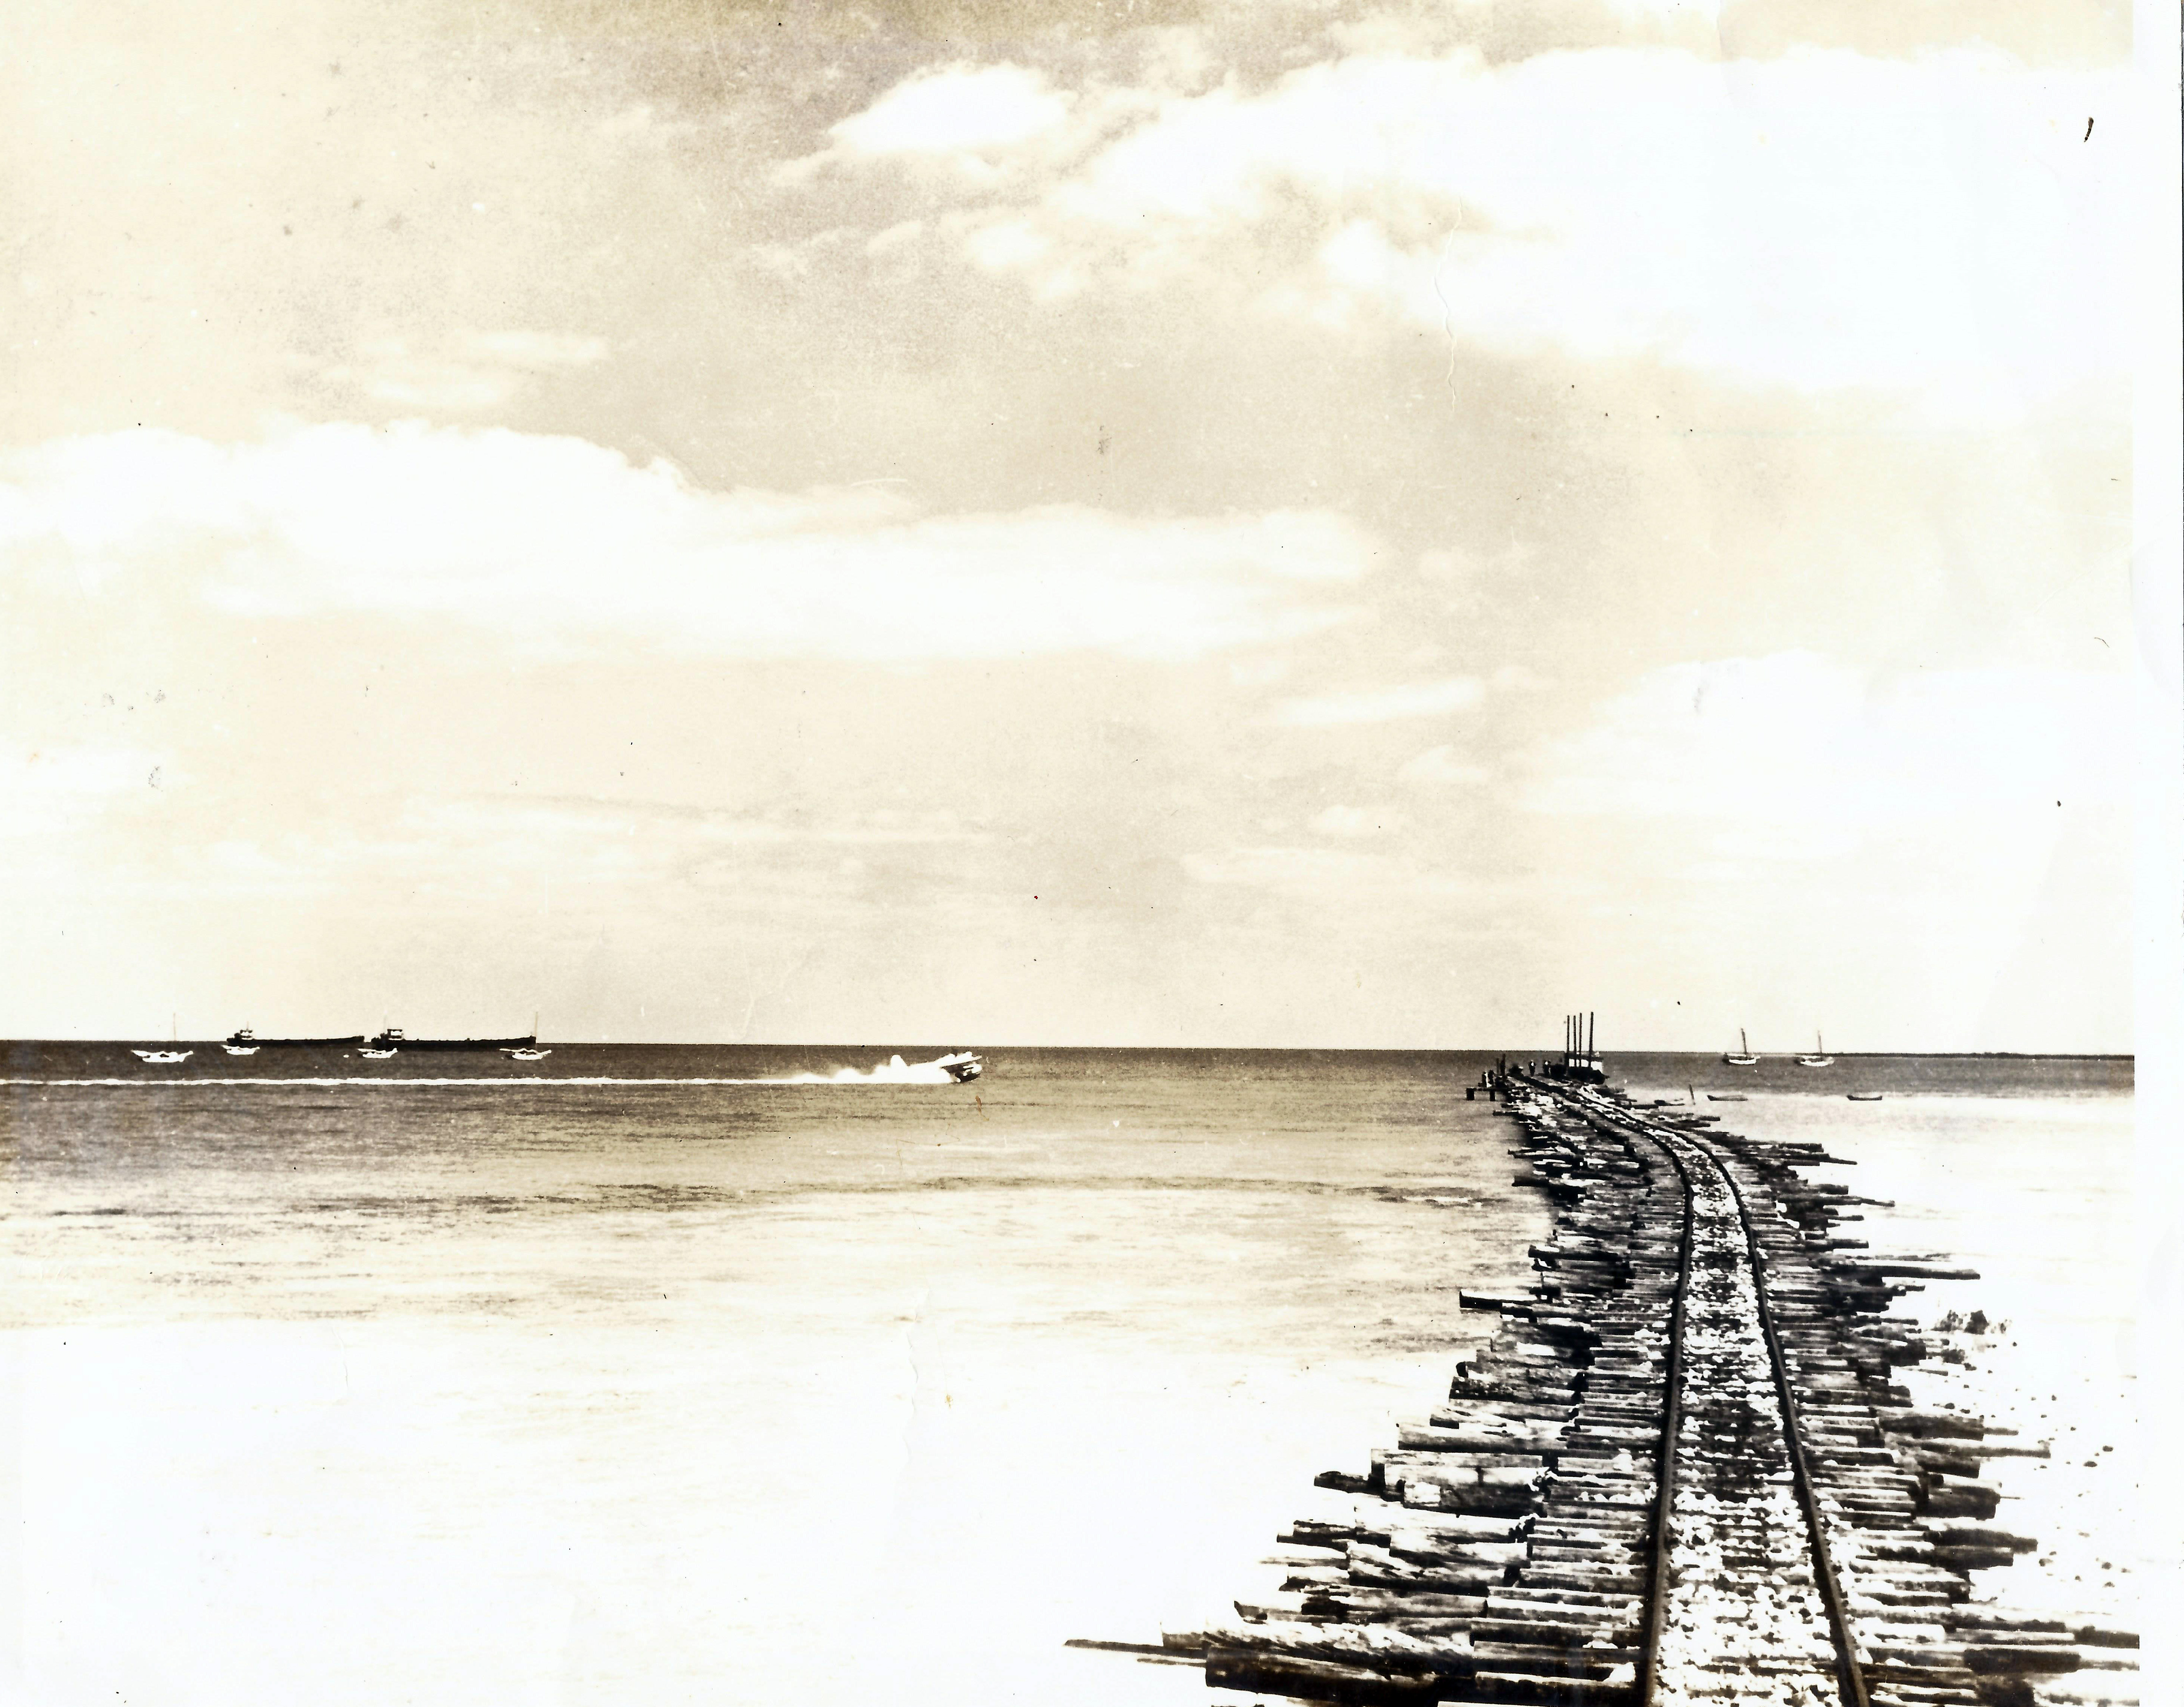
(1680, 1472)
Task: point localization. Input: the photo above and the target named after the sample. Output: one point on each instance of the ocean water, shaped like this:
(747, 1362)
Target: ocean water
(533, 1389)
(522, 1391)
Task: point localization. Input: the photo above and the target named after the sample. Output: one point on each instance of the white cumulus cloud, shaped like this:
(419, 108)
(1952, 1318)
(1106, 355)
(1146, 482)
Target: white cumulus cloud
(1385, 705)
(959, 109)
(1820, 219)
(48, 791)
(1354, 821)
(1441, 766)
(1796, 755)
(561, 543)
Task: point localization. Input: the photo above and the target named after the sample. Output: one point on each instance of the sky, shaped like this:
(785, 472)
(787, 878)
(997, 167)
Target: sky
(1141, 523)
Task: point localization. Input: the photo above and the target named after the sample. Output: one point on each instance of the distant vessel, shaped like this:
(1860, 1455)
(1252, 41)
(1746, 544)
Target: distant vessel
(1580, 1063)
(1818, 1058)
(1744, 1056)
(1865, 1095)
(963, 1066)
(163, 1058)
(246, 1042)
(391, 1039)
(530, 1050)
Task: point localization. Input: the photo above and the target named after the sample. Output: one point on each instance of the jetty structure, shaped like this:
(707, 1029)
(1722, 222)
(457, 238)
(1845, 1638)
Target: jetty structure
(1681, 1472)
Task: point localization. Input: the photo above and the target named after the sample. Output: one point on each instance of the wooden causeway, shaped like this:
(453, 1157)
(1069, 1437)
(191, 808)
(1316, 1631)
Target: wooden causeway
(1681, 1472)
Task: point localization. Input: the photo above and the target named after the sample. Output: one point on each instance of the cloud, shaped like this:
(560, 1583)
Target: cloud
(958, 110)
(1442, 767)
(1354, 821)
(561, 543)
(974, 123)
(1305, 873)
(1819, 219)
(1796, 756)
(47, 791)
(465, 373)
(1384, 704)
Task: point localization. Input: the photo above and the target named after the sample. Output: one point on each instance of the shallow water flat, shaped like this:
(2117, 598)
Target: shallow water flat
(728, 1392)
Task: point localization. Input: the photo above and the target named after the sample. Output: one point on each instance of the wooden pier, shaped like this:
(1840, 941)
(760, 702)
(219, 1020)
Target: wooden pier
(1681, 1472)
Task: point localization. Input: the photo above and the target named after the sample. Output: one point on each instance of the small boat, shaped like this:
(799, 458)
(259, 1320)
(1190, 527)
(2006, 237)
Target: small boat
(526, 1054)
(377, 1054)
(1744, 1056)
(240, 1048)
(963, 1066)
(1727, 1096)
(167, 1056)
(1819, 1057)
(1865, 1095)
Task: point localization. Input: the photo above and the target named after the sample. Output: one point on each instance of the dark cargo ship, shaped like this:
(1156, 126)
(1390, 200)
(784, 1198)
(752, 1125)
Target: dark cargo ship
(392, 1039)
(247, 1040)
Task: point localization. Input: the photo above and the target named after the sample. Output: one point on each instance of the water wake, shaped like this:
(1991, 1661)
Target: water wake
(893, 1071)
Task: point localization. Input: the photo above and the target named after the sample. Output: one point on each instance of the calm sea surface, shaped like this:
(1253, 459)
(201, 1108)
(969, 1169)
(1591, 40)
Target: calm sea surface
(541, 1388)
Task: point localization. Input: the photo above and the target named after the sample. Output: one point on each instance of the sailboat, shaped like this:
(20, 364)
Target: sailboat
(1744, 1056)
(1818, 1058)
(530, 1050)
(163, 1058)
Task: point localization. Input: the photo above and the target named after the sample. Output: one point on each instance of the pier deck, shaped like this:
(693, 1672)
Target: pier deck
(1681, 1472)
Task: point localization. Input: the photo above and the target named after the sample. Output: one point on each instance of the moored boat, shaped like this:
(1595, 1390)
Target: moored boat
(1744, 1056)
(1819, 1057)
(1865, 1095)
(526, 1054)
(161, 1057)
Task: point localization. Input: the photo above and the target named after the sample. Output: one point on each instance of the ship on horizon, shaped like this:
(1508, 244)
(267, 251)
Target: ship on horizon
(394, 1040)
(247, 1042)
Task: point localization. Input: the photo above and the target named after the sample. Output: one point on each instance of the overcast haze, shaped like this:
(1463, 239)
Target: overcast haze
(1272, 525)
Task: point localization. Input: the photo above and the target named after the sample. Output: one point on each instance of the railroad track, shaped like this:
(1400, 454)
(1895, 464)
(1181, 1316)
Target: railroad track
(1681, 1471)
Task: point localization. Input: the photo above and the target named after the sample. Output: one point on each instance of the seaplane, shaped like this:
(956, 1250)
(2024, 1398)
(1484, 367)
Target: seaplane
(1818, 1058)
(377, 1054)
(963, 1066)
(1744, 1056)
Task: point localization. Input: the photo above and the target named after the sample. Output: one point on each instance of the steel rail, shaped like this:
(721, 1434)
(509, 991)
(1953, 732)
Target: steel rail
(1664, 1493)
(1850, 1675)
